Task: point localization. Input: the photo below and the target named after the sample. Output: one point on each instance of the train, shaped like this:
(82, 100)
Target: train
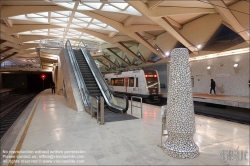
(140, 83)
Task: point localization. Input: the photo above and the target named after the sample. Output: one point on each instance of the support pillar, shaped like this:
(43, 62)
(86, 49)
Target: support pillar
(180, 122)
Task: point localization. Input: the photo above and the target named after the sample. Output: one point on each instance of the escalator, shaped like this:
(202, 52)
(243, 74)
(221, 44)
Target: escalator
(92, 83)
(89, 79)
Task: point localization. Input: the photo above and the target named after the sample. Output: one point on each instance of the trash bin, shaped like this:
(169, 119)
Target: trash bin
(163, 116)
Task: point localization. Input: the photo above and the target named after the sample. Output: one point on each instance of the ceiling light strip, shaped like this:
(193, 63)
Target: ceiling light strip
(225, 53)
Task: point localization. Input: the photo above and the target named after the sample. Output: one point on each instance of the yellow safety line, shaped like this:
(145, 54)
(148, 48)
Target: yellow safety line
(225, 122)
(20, 143)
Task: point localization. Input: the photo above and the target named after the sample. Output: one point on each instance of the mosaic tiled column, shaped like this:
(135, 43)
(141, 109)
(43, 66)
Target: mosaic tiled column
(180, 122)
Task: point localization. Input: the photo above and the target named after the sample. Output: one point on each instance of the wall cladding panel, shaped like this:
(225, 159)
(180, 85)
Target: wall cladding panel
(223, 72)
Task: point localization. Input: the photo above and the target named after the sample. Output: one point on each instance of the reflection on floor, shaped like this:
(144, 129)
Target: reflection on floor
(131, 142)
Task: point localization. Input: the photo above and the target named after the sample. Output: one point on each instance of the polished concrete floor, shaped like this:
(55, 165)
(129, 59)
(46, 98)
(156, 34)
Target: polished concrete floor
(55, 127)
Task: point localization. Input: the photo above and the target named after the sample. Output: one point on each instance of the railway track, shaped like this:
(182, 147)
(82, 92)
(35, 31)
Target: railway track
(234, 114)
(11, 109)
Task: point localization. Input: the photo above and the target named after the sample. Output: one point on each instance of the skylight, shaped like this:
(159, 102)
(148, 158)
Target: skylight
(120, 5)
(55, 34)
(56, 21)
(96, 21)
(82, 24)
(74, 32)
(66, 13)
(77, 14)
(67, 5)
(72, 36)
(83, 7)
(102, 25)
(94, 5)
(54, 14)
(74, 26)
(85, 19)
(39, 31)
(33, 15)
(94, 26)
(57, 29)
(76, 20)
(45, 14)
(63, 19)
(34, 41)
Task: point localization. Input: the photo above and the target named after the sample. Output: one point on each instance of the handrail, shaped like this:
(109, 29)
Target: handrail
(134, 105)
(80, 81)
(104, 87)
(99, 109)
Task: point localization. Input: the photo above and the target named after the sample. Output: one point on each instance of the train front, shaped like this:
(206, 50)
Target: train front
(153, 83)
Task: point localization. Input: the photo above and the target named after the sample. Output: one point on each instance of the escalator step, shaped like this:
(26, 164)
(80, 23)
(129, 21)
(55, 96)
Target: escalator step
(89, 79)
(92, 85)
(93, 88)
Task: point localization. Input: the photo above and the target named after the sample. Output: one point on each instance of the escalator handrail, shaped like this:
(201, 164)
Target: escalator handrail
(104, 87)
(81, 84)
(123, 96)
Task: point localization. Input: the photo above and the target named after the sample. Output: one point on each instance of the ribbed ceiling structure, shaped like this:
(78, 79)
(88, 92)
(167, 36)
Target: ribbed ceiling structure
(127, 34)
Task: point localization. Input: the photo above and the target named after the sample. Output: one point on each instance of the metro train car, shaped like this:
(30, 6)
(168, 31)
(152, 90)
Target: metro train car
(141, 83)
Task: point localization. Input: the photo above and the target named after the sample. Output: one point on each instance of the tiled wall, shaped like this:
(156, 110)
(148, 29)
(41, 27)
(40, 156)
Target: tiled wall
(235, 82)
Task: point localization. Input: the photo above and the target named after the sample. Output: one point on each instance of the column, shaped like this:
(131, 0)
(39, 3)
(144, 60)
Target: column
(180, 122)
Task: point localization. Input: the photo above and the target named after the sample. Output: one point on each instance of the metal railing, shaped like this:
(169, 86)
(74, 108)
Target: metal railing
(27, 66)
(51, 43)
(163, 122)
(102, 84)
(97, 105)
(132, 97)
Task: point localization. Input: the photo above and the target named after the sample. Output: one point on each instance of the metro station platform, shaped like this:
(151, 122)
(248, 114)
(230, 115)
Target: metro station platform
(48, 129)
(5, 91)
(234, 101)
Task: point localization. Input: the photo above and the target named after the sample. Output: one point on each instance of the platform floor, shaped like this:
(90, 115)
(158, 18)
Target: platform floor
(57, 128)
(242, 99)
(235, 101)
(5, 90)
(224, 97)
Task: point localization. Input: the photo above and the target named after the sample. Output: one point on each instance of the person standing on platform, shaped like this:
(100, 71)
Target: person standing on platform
(212, 86)
(53, 87)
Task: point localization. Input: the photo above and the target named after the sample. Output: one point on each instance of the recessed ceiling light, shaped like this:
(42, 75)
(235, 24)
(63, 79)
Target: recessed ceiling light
(235, 65)
(209, 67)
(167, 53)
(199, 46)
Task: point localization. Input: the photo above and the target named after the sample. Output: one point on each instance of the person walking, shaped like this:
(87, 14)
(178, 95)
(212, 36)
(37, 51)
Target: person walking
(212, 86)
(53, 87)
